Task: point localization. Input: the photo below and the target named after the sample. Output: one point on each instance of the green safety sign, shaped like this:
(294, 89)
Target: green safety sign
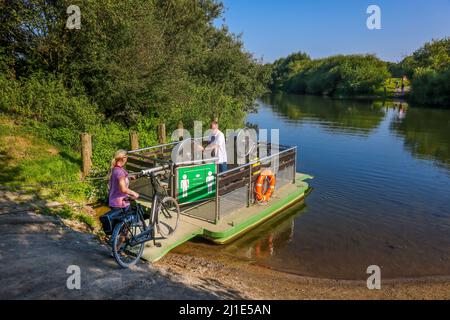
(196, 183)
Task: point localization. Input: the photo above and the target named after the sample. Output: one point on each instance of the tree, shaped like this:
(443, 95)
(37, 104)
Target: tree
(135, 58)
(285, 68)
(429, 69)
(339, 75)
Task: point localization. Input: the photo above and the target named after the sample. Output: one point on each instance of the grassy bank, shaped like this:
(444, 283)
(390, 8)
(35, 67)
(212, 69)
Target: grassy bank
(42, 174)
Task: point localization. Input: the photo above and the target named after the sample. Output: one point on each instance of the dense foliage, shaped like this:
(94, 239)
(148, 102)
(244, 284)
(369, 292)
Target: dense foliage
(132, 64)
(429, 69)
(282, 70)
(337, 75)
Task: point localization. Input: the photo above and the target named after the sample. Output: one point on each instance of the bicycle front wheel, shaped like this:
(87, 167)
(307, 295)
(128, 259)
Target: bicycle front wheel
(168, 216)
(125, 254)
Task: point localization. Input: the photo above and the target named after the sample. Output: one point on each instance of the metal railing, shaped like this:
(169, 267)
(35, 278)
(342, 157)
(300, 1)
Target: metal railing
(149, 157)
(234, 188)
(154, 147)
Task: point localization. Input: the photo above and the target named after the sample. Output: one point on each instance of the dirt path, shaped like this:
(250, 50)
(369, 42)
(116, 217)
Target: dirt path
(36, 251)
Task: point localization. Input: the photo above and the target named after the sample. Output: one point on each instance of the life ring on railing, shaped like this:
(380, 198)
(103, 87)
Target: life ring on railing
(265, 174)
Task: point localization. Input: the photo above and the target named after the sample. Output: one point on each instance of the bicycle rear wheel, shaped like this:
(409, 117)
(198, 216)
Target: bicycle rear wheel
(125, 254)
(168, 216)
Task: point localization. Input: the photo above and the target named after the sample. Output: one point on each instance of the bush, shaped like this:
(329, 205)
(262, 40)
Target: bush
(434, 55)
(429, 68)
(339, 75)
(46, 100)
(431, 87)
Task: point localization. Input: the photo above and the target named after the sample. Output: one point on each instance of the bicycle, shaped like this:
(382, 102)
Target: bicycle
(131, 233)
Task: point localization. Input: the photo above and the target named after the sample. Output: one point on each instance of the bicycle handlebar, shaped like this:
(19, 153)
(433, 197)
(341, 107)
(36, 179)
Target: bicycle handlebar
(149, 172)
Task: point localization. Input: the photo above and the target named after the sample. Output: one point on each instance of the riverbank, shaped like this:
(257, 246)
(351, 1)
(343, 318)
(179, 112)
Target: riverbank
(40, 245)
(257, 282)
(391, 97)
(39, 248)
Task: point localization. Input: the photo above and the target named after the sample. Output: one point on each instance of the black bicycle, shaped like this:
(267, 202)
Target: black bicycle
(132, 232)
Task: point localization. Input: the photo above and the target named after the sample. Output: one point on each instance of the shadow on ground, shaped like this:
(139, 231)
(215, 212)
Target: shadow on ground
(36, 251)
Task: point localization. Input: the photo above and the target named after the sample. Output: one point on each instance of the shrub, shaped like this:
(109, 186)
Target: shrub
(339, 75)
(429, 68)
(46, 100)
(431, 87)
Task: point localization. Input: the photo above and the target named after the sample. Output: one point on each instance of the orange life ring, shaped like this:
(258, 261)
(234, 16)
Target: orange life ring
(266, 174)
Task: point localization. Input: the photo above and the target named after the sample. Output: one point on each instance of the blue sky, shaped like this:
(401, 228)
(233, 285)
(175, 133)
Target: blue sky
(275, 28)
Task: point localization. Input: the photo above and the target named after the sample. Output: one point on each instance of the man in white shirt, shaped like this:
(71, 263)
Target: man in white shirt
(216, 142)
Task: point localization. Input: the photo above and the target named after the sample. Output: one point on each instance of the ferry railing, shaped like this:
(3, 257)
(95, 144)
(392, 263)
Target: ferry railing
(230, 185)
(157, 155)
(234, 188)
(154, 147)
(149, 157)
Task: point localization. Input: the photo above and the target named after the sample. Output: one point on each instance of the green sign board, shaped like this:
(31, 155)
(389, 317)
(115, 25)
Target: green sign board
(196, 183)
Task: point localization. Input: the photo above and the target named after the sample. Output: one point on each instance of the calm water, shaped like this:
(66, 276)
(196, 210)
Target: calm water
(381, 190)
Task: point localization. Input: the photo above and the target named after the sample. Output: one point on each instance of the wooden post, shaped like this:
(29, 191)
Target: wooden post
(162, 133)
(180, 130)
(134, 140)
(86, 153)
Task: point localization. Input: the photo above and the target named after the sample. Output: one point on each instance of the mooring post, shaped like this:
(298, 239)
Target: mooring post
(180, 131)
(162, 135)
(86, 153)
(134, 140)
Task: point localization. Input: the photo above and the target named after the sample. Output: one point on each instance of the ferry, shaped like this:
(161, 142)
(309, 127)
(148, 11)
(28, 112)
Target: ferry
(261, 182)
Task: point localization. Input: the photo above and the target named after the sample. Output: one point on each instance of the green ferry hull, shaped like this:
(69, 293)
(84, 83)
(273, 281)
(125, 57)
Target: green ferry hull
(230, 226)
(271, 210)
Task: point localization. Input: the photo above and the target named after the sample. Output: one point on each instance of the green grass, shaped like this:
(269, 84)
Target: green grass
(68, 212)
(31, 162)
(391, 90)
(87, 219)
(64, 211)
(51, 173)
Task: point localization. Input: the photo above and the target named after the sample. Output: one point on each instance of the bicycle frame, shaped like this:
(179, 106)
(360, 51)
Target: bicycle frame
(153, 217)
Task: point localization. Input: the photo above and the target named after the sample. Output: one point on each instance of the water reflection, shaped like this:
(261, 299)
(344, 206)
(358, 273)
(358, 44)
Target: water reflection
(375, 200)
(264, 241)
(426, 133)
(372, 198)
(345, 116)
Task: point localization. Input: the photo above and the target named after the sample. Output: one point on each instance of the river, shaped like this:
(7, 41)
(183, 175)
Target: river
(381, 193)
